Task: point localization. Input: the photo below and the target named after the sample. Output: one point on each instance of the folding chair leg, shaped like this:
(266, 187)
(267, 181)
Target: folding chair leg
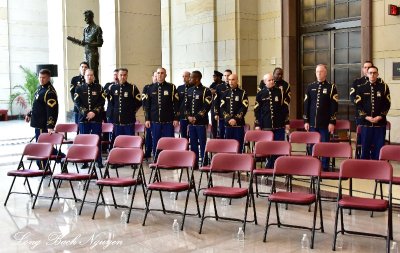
(9, 191)
(73, 192)
(313, 227)
(97, 202)
(320, 215)
(147, 207)
(254, 209)
(255, 180)
(335, 228)
(37, 193)
(215, 208)
(267, 221)
(246, 208)
(83, 200)
(201, 176)
(130, 207)
(55, 193)
(184, 211)
(113, 196)
(162, 202)
(202, 214)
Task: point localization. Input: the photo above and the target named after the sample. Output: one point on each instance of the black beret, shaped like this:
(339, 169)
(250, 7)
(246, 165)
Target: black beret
(217, 73)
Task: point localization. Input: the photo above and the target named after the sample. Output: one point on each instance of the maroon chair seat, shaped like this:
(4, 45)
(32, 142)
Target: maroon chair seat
(40, 152)
(367, 170)
(74, 176)
(304, 166)
(169, 186)
(298, 198)
(29, 173)
(358, 203)
(226, 192)
(77, 153)
(127, 157)
(223, 163)
(179, 160)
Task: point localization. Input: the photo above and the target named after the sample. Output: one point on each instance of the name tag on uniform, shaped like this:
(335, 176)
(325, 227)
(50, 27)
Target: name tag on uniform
(325, 91)
(116, 92)
(125, 94)
(154, 93)
(276, 99)
(166, 93)
(197, 97)
(378, 94)
(236, 98)
(94, 93)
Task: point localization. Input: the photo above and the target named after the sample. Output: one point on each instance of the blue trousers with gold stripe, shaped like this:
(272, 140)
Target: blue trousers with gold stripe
(198, 136)
(183, 123)
(236, 133)
(372, 140)
(159, 130)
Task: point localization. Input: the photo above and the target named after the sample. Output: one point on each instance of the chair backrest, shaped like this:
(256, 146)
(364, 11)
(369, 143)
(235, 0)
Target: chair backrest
(366, 169)
(128, 141)
(297, 165)
(267, 148)
(222, 146)
(139, 128)
(38, 151)
(66, 128)
(125, 156)
(296, 124)
(332, 150)
(390, 153)
(53, 138)
(304, 137)
(171, 143)
(342, 124)
(176, 159)
(87, 139)
(258, 135)
(224, 162)
(81, 152)
(107, 127)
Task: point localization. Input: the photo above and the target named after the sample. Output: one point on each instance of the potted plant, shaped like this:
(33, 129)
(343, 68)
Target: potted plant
(23, 95)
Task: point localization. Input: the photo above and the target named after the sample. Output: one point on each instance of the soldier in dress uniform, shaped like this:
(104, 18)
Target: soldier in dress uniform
(272, 111)
(182, 91)
(320, 107)
(197, 108)
(162, 108)
(357, 83)
(234, 105)
(215, 126)
(373, 103)
(90, 99)
(77, 81)
(107, 89)
(126, 101)
(44, 113)
(148, 140)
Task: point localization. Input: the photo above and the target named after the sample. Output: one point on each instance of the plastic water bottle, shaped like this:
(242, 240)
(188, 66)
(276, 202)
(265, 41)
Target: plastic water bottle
(394, 248)
(126, 195)
(175, 226)
(304, 242)
(240, 235)
(124, 217)
(339, 241)
(224, 202)
(172, 195)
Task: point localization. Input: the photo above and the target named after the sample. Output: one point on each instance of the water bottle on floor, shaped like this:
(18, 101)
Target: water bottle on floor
(305, 242)
(175, 226)
(394, 248)
(339, 241)
(240, 235)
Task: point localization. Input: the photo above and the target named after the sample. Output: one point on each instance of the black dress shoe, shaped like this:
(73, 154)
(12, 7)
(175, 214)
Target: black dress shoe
(85, 166)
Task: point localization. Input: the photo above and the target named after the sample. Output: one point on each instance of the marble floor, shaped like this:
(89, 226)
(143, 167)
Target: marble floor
(61, 230)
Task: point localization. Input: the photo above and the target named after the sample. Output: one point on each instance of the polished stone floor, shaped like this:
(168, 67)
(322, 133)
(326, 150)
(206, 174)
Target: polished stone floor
(38, 230)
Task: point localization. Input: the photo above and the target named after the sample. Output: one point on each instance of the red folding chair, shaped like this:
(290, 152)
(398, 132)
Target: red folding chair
(342, 131)
(128, 141)
(32, 152)
(56, 139)
(65, 129)
(87, 139)
(307, 138)
(77, 154)
(368, 170)
(223, 164)
(264, 150)
(131, 157)
(305, 166)
(390, 153)
(253, 136)
(215, 146)
(170, 160)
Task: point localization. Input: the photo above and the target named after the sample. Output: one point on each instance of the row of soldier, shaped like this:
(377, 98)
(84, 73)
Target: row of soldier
(165, 106)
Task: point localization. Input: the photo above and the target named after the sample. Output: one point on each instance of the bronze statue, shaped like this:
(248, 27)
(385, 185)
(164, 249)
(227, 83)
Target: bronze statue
(92, 39)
